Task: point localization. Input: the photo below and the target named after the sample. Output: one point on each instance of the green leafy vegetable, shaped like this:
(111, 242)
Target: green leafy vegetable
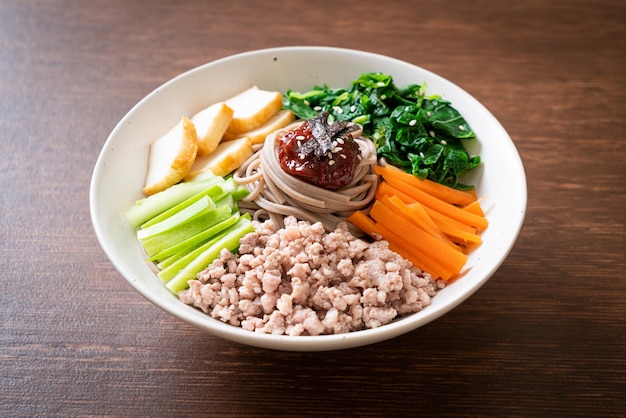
(417, 133)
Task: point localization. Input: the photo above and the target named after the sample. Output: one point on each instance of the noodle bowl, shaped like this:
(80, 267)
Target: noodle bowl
(275, 194)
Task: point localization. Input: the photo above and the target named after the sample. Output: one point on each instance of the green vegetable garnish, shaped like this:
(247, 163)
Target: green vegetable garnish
(185, 227)
(417, 133)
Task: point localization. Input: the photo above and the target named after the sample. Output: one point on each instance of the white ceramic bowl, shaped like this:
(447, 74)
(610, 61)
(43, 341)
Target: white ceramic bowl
(121, 167)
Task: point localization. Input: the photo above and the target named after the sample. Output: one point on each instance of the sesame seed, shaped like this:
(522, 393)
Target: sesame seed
(381, 84)
(317, 108)
(360, 157)
(429, 113)
(299, 143)
(413, 122)
(331, 162)
(329, 155)
(461, 127)
(422, 154)
(444, 142)
(306, 102)
(340, 141)
(300, 137)
(432, 134)
(383, 96)
(353, 108)
(343, 156)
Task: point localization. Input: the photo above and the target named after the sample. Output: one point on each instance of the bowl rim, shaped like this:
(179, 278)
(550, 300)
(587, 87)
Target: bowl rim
(198, 319)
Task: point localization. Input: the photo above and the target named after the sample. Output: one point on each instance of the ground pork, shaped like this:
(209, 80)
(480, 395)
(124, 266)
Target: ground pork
(300, 280)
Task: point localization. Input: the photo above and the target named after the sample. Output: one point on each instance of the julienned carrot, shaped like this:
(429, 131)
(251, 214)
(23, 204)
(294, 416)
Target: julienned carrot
(431, 225)
(440, 219)
(412, 253)
(475, 208)
(425, 223)
(445, 193)
(363, 222)
(459, 236)
(452, 259)
(385, 189)
(445, 208)
(371, 228)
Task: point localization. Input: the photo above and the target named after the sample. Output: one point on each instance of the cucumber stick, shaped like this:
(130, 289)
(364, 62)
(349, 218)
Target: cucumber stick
(223, 220)
(185, 227)
(168, 241)
(229, 241)
(149, 207)
(197, 209)
(214, 192)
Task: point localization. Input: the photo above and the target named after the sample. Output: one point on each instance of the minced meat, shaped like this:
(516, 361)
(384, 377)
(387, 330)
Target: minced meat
(300, 280)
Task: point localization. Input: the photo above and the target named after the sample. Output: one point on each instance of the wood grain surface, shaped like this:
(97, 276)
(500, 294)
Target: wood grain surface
(546, 336)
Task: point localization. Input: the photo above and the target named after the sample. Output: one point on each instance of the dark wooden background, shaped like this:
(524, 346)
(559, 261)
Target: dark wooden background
(546, 336)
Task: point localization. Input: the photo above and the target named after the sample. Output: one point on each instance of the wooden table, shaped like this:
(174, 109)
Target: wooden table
(546, 336)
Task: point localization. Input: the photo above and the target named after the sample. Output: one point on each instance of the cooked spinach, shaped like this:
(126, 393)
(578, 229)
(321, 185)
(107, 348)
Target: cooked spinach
(418, 133)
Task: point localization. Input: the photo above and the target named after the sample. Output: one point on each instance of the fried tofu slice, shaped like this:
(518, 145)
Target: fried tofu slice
(171, 157)
(211, 123)
(253, 107)
(280, 119)
(228, 156)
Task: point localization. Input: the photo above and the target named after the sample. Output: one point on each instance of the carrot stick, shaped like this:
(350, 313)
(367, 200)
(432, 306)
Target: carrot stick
(376, 231)
(363, 222)
(411, 253)
(459, 236)
(418, 209)
(475, 208)
(396, 204)
(445, 208)
(385, 189)
(440, 191)
(440, 219)
(452, 259)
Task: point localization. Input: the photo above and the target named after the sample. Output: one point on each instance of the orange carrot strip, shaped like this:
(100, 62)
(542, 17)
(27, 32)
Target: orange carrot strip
(396, 204)
(385, 189)
(363, 222)
(459, 236)
(369, 226)
(440, 219)
(445, 208)
(475, 208)
(440, 191)
(433, 248)
(418, 209)
(411, 253)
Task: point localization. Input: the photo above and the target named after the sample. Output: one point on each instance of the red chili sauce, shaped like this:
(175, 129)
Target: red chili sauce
(331, 171)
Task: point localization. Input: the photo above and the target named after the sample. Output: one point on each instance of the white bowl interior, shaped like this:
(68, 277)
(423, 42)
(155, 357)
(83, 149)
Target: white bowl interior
(121, 166)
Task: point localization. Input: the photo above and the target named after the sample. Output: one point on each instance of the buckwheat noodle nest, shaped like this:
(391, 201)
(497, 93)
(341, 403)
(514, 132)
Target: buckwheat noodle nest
(275, 194)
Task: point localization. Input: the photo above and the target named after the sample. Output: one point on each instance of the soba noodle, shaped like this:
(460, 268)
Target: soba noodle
(275, 194)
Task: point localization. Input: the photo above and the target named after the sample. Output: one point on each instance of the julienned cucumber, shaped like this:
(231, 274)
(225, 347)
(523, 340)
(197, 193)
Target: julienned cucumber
(149, 207)
(229, 241)
(162, 245)
(184, 228)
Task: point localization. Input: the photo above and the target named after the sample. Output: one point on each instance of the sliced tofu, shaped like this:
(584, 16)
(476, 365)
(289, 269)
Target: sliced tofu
(253, 107)
(211, 123)
(280, 119)
(228, 156)
(171, 157)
